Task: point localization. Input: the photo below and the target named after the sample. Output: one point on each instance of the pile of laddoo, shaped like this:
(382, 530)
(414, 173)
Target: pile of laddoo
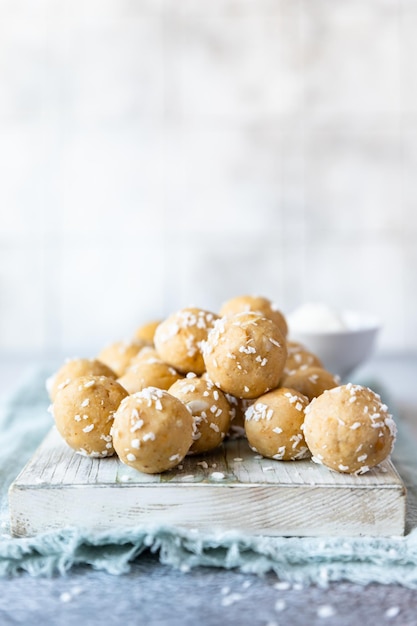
(184, 384)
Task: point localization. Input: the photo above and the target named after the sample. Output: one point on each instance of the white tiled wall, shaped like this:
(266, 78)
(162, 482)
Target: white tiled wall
(161, 153)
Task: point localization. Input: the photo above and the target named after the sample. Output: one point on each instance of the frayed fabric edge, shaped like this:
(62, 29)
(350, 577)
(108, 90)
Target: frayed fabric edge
(361, 560)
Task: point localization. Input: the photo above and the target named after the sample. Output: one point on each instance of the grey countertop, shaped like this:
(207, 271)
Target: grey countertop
(155, 594)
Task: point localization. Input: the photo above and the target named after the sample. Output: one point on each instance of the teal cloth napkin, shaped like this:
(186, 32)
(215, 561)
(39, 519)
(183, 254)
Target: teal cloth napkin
(24, 421)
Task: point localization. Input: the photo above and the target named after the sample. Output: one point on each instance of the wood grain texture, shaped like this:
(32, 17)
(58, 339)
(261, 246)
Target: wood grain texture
(231, 488)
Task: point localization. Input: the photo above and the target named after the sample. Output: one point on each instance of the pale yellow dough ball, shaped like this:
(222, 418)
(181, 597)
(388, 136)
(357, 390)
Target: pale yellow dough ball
(258, 304)
(209, 408)
(148, 353)
(151, 372)
(311, 381)
(237, 416)
(179, 338)
(298, 358)
(119, 354)
(349, 429)
(74, 368)
(245, 354)
(152, 431)
(273, 425)
(83, 411)
(238, 407)
(146, 332)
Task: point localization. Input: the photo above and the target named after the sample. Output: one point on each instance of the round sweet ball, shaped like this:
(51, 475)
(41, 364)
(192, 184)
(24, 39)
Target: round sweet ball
(148, 353)
(146, 332)
(299, 357)
(349, 429)
(311, 381)
(293, 346)
(238, 407)
(273, 425)
(245, 354)
(178, 339)
(151, 372)
(152, 431)
(259, 304)
(210, 411)
(237, 415)
(119, 354)
(83, 411)
(74, 368)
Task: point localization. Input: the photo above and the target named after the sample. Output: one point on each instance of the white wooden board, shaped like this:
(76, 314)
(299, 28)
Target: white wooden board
(59, 488)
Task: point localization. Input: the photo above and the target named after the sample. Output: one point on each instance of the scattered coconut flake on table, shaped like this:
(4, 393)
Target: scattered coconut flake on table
(392, 612)
(65, 597)
(282, 585)
(230, 599)
(280, 605)
(325, 611)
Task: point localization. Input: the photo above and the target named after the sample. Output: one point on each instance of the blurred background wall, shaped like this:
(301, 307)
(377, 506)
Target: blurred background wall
(161, 153)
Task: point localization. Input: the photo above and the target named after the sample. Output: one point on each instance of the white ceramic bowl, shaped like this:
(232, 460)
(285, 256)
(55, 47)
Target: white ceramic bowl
(342, 351)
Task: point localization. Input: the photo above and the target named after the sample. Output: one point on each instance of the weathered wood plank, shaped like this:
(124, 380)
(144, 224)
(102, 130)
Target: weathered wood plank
(231, 488)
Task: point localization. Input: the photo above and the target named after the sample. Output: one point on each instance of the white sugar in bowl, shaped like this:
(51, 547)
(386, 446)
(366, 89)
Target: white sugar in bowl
(342, 341)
